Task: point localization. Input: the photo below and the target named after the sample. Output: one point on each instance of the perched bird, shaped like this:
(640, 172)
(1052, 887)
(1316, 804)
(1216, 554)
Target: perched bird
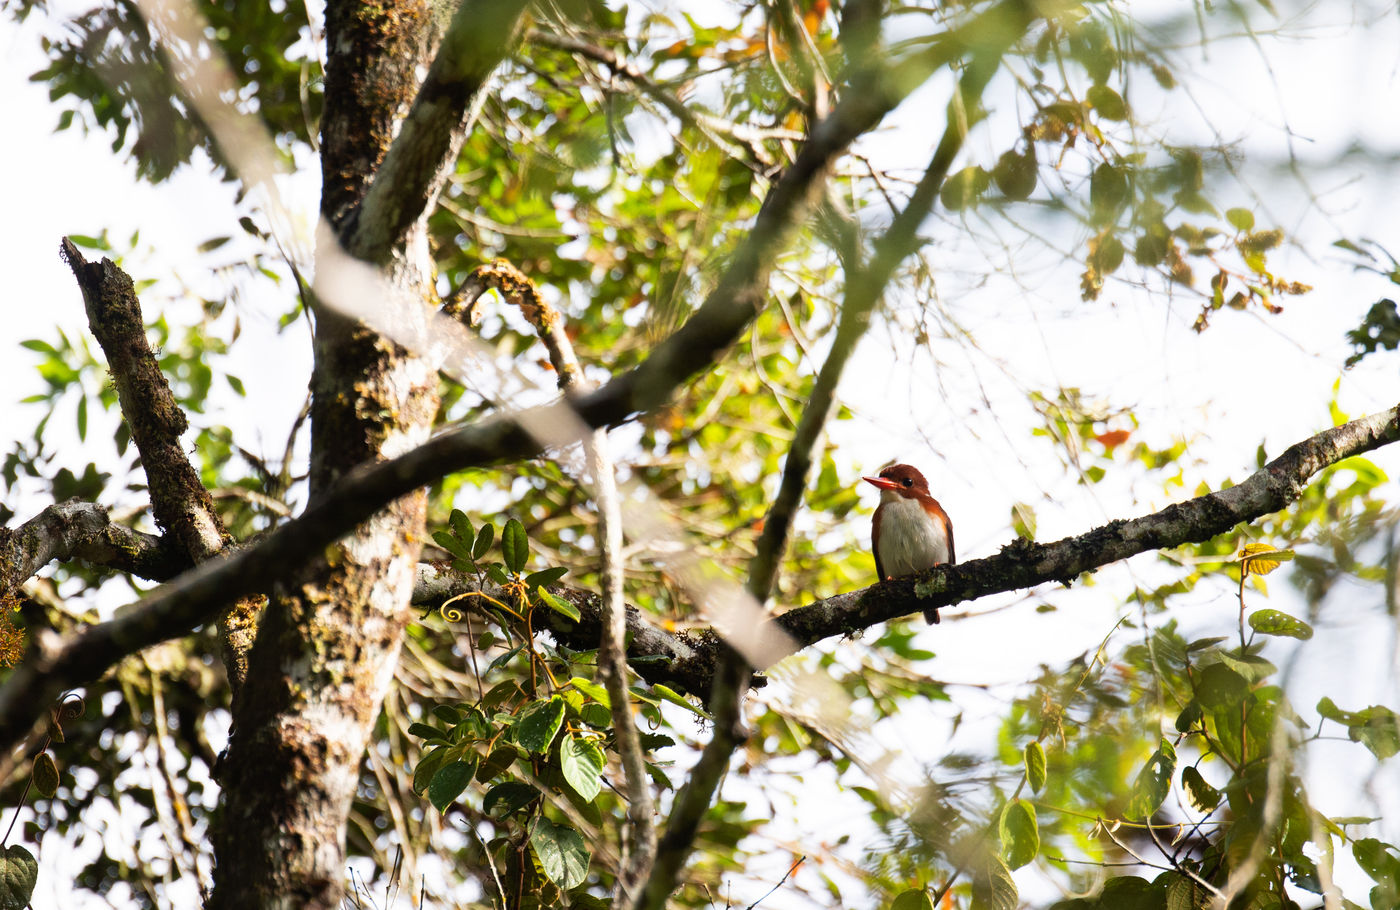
(911, 532)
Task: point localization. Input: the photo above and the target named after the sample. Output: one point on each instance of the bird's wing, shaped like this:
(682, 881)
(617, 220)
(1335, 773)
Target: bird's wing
(874, 536)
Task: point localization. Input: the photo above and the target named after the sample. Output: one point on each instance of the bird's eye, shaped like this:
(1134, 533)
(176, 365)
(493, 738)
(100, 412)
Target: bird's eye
(908, 481)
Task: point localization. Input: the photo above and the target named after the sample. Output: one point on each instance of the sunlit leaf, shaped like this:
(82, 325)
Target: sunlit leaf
(19, 872)
(916, 899)
(561, 851)
(1273, 622)
(1262, 558)
(993, 888)
(539, 723)
(1153, 784)
(1202, 795)
(45, 774)
(1020, 835)
(558, 604)
(592, 689)
(1034, 757)
(582, 763)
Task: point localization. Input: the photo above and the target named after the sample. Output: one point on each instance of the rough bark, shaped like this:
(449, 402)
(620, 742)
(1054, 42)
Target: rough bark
(328, 643)
(179, 503)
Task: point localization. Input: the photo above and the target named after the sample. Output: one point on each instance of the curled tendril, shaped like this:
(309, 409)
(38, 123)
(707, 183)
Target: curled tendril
(457, 614)
(71, 707)
(452, 613)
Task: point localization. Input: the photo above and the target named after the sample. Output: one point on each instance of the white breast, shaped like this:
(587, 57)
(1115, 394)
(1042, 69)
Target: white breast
(910, 541)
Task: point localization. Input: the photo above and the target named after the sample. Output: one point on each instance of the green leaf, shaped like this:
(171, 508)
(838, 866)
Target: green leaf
(1108, 192)
(447, 714)
(546, 577)
(1202, 795)
(427, 767)
(484, 538)
(462, 527)
(1023, 520)
(1240, 219)
(1035, 766)
(452, 545)
(1189, 716)
(515, 546)
(1376, 727)
(912, 900)
(449, 782)
(1184, 893)
(1153, 783)
(592, 689)
(562, 853)
(539, 723)
(993, 888)
(82, 418)
(1272, 622)
(38, 346)
(676, 698)
(509, 797)
(1220, 685)
(45, 774)
(1108, 103)
(1129, 892)
(558, 604)
(1020, 836)
(582, 762)
(961, 190)
(19, 872)
(1252, 667)
(426, 731)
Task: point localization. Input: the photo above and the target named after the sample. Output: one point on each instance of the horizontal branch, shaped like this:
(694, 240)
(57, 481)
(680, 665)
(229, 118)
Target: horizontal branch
(685, 660)
(1022, 564)
(57, 533)
(681, 660)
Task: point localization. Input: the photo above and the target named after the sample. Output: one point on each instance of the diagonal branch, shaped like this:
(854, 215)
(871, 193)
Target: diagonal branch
(179, 502)
(738, 297)
(1022, 564)
(407, 182)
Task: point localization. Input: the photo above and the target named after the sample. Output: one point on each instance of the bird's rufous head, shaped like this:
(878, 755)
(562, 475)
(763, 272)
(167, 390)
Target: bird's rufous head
(901, 479)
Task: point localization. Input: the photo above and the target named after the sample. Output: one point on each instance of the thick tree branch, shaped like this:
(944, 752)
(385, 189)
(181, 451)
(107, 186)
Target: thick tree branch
(179, 502)
(57, 533)
(682, 660)
(689, 660)
(414, 169)
(361, 491)
(1022, 564)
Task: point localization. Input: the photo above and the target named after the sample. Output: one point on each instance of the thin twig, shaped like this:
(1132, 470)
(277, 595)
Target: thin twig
(792, 869)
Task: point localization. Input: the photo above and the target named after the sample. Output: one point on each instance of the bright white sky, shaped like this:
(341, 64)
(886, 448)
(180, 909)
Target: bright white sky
(1244, 381)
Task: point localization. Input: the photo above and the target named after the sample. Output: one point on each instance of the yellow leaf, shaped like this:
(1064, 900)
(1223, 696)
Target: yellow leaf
(1262, 558)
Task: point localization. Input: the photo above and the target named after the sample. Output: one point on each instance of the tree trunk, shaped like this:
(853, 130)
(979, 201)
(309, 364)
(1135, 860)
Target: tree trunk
(327, 646)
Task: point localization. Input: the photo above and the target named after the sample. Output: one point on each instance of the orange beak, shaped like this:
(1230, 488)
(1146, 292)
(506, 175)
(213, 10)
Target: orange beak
(881, 482)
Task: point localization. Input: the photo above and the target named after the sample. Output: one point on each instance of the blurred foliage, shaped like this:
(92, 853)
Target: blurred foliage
(494, 754)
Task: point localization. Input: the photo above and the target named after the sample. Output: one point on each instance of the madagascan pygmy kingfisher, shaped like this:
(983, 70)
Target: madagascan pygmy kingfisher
(911, 532)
